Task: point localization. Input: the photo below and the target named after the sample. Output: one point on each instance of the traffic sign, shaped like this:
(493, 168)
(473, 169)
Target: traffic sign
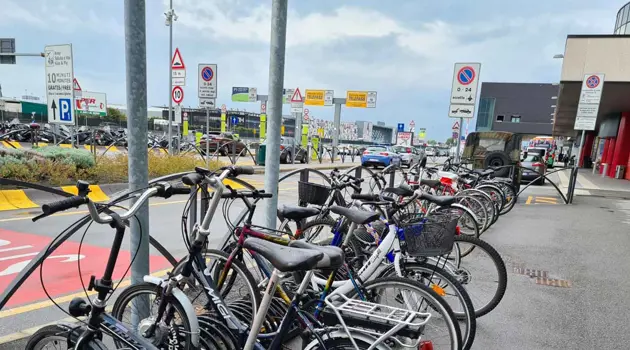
(178, 81)
(361, 99)
(223, 108)
(244, 94)
(207, 103)
(401, 127)
(297, 96)
(207, 80)
(306, 112)
(263, 107)
(59, 83)
(455, 126)
(177, 118)
(77, 88)
(412, 124)
(178, 94)
(177, 63)
(588, 106)
(92, 103)
(286, 95)
(319, 97)
(465, 83)
(461, 111)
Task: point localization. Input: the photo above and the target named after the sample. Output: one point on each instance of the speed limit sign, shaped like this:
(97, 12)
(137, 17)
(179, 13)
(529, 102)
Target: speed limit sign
(178, 94)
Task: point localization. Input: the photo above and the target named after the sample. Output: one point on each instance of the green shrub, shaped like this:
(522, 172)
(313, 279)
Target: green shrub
(80, 158)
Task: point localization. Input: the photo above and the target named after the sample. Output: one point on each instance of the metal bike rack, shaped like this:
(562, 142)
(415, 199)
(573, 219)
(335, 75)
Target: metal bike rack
(568, 198)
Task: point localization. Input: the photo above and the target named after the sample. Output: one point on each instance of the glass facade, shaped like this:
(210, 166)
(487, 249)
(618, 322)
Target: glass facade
(485, 114)
(622, 27)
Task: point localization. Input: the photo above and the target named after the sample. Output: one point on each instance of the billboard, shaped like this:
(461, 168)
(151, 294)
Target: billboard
(92, 103)
(404, 138)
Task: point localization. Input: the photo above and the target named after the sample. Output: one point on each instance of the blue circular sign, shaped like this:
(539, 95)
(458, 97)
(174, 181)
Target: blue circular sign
(592, 81)
(466, 75)
(207, 74)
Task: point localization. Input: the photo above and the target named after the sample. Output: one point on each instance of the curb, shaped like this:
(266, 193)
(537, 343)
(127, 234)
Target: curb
(261, 169)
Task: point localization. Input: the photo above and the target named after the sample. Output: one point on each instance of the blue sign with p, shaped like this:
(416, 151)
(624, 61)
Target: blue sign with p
(401, 127)
(65, 109)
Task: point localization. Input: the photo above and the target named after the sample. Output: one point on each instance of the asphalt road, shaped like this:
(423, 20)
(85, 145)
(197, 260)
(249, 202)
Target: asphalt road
(581, 248)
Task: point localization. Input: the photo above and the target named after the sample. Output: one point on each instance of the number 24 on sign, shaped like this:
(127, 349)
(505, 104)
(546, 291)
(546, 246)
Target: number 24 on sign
(465, 89)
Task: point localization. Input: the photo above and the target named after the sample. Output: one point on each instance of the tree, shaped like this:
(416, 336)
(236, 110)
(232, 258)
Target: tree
(432, 142)
(115, 114)
(450, 141)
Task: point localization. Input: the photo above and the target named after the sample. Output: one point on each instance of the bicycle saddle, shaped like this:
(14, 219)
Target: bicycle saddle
(430, 183)
(357, 216)
(333, 256)
(296, 213)
(483, 172)
(285, 259)
(439, 200)
(405, 191)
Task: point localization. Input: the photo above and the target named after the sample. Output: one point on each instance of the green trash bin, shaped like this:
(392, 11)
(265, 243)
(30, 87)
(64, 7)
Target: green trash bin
(262, 151)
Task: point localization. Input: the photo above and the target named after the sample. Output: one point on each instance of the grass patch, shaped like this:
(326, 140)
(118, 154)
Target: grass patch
(61, 166)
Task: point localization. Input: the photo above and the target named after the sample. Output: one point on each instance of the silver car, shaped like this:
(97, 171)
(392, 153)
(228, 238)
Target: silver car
(408, 155)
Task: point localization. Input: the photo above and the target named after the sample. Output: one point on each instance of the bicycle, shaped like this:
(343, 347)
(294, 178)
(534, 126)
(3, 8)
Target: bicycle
(89, 334)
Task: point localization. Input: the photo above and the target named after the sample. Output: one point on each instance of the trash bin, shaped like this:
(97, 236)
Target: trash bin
(262, 151)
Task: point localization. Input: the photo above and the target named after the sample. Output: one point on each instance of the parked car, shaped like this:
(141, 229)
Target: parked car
(380, 156)
(546, 154)
(430, 152)
(286, 151)
(533, 161)
(224, 141)
(408, 155)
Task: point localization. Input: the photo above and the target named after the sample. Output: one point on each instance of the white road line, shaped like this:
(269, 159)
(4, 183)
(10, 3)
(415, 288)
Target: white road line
(564, 179)
(586, 183)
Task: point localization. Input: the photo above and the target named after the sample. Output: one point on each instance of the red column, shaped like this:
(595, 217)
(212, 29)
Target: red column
(604, 155)
(609, 156)
(622, 148)
(588, 145)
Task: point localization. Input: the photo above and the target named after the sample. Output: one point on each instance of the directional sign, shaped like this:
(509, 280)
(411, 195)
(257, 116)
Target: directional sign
(178, 94)
(77, 88)
(401, 127)
(244, 94)
(207, 81)
(361, 99)
(177, 65)
(59, 83)
(465, 83)
(207, 103)
(461, 111)
(590, 97)
(319, 97)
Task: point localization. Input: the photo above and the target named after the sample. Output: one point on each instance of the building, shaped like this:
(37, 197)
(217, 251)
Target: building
(523, 108)
(608, 145)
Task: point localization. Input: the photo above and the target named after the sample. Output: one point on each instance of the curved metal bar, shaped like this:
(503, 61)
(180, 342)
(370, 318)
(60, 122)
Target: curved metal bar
(544, 175)
(17, 183)
(291, 173)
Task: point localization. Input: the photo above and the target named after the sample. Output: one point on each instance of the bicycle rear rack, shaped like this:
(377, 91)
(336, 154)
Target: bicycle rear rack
(381, 314)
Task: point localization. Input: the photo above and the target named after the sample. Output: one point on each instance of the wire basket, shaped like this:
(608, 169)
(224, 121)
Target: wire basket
(312, 193)
(430, 236)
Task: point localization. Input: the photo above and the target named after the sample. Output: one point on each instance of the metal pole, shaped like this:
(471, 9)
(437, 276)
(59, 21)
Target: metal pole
(579, 156)
(459, 139)
(136, 57)
(274, 106)
(207, 138)
(170, 80)
(337, 129)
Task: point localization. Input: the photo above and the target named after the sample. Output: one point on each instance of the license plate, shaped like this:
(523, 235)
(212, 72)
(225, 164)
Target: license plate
(372, 160)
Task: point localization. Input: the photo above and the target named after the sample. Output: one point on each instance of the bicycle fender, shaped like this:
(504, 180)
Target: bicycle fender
(343, 335)
(185, 303)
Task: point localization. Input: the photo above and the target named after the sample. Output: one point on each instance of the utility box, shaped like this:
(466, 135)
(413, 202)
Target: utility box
(620, 172)
(261, 154)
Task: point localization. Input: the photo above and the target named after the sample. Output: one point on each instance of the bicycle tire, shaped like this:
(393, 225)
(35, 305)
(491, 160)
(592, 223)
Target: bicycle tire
(489, 204)
(511, 197)
(56, 330)
(477, 208)
(130, 292)
(437, 303)
(501, 271)
(468, 313)
(496, 195)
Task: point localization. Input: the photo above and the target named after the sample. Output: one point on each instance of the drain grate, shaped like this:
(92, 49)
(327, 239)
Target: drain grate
(530, 272)
(552, 282)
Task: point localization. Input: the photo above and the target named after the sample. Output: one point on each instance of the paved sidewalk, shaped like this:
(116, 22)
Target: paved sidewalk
(590, 184)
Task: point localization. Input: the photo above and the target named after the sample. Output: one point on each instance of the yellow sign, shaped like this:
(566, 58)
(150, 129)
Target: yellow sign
(318, 97)
(282, 130)
(356, 99)
(422, 134)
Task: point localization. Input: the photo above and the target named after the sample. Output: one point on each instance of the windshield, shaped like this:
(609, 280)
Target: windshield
(377, 149)
(531, 158)
(402, 149)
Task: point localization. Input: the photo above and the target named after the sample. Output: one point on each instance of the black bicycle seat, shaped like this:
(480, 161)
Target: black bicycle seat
(333, 256)
(400, 191)
(430, 183)
(357, 216)
(483, 172)
(439, 200)
(285, 259)
(296, 213)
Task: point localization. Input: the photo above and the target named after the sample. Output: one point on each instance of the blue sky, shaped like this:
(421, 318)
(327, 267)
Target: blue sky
(403, 49)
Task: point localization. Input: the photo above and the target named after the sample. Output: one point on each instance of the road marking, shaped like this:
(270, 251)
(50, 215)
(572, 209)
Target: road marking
(541, 200)
(529, 200)
(564, 179)
(66, 298)
(87, 147)
(96, 193)
(15, 199)
(9, 144)
(586, 183)
(65, 145)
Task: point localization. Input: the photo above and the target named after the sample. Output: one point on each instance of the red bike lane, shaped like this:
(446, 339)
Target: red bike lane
(60, 270)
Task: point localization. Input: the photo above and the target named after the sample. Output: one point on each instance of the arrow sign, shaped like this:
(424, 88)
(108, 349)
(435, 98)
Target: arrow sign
(54, 108)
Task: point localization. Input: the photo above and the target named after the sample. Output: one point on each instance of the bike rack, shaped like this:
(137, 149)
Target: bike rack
(568, 199)
(70, 231)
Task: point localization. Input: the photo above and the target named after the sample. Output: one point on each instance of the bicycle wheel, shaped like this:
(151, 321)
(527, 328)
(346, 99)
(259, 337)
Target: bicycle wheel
(139, 317)
(447, 287)
(480, 211)
(488, 204)
(467, 222)
(497, 195)
(482, 271)
(58, 336)
(238, 285)
(510, 195)
(446, 337)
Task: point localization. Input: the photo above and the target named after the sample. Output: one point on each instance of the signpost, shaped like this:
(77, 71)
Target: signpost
(207, 81)
(412, 126)
(588, 106)
(297, 109)
(78, 92)
(361, 99)
(178, 79)
(319, 97)
(464, 93)
(59, 84)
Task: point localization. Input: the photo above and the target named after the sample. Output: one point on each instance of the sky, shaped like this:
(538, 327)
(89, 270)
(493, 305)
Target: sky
(404, 49)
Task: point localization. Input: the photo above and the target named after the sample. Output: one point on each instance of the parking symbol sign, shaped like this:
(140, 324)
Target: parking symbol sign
(65, 109)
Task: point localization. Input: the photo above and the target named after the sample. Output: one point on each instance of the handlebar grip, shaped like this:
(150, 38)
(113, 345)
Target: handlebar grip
(64, 204)
(180, 190)
(192, 179)
(365, 197)
(243, 170)
(265, 195)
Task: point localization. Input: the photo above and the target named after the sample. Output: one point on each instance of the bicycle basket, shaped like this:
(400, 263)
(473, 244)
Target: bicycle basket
(312, 193)
(430, 236)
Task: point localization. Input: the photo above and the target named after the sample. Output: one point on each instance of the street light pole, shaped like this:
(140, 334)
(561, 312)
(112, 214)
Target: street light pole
(170, 18)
